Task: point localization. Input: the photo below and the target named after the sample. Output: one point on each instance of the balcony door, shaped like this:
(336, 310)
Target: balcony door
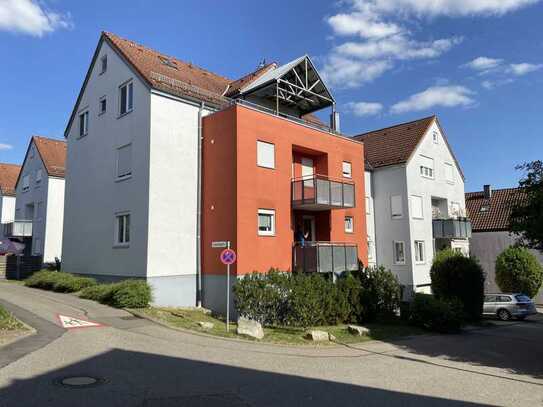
(308, 168)
(309, 228)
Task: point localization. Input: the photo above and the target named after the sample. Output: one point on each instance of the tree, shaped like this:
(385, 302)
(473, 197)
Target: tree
(518, 271)
(526, 217)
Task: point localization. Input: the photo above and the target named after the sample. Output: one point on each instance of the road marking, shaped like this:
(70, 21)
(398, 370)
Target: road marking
(71, 322)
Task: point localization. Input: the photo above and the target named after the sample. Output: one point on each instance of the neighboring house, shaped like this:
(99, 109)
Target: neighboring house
(8, 179)
(489, 211)
(370, 215)
(39, 207)
(142, 128)
(416, 198)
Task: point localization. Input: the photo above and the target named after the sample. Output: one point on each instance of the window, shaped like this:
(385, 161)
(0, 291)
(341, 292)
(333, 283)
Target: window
(368, 205)
(102, 105)
(347, 169)
(396, 206)
(426, 167)
(26, 182)
(103, 64)
(124, 161)
(399, 253)
(455, 210)
(417, 207)
(126, 98)
(266, 222)
(265, 154)
(435, 137)
(122, 229)
(449, 173)
(83, 124)
(349, 226)
(38, 175)
(484, 208)
(420, 256)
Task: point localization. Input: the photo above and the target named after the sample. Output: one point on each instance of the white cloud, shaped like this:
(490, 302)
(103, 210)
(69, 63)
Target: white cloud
(523, 68)
(31, 17)
(361, 109)
(364, 24)
(349, 73)
(4, 146)
(483, 63)
(444, 96)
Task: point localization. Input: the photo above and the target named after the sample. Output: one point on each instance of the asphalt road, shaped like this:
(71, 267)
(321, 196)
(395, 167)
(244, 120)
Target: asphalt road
(142, 364)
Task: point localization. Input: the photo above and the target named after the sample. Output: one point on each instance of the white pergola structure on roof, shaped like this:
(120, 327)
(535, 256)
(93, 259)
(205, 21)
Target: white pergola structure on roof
(295, 86)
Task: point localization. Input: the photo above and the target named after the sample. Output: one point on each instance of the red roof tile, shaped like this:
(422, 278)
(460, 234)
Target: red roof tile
(495, 212)
(238, 84)
(53, 155)
(8, 178)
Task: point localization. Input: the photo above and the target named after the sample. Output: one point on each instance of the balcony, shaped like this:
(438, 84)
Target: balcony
(318, 192)
(325, 257)
(451, 228)
(18, 228)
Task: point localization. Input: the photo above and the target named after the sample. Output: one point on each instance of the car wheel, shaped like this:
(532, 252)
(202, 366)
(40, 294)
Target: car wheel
(504, 315)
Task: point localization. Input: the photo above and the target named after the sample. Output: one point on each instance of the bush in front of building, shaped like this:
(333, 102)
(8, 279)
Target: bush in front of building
(380, 293)
(518, 271)
(58, 281)
(435, 314)
(124, 294)
(462, 278)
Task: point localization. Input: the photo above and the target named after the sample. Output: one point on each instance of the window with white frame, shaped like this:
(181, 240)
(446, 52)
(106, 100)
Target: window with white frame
(124, 161)
(26, 182)
(122, 229)
(266, 222)
(449, 173)
(347, 169)
(455, 209)
(426, 167)
(399, 252)
(349, 225)
(126, 98)
(368, 205)
(39, 174)
(83, 124)
(435, 137)
(396, 206)
(102, 105)
(265, 154)
(420, 255)
(103, 64)
(417, 207)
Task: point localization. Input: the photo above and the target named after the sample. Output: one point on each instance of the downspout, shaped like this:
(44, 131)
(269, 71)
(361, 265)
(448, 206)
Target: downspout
(199, 212)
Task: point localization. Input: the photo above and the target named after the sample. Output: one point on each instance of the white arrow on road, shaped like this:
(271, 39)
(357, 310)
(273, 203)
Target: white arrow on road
(71, 322)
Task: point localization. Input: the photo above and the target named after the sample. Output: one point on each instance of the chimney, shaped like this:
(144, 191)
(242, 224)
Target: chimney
(487, 191)
(334, 121)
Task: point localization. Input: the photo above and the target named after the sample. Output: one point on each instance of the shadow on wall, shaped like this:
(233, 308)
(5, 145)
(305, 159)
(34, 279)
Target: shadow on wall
(143, 379)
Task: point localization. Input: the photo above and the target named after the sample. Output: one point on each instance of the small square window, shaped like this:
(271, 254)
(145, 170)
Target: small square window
(126, 98)
(83, 124)
(122, 229)
(103, 64)
(349, 226)
(420, 255)
(347, 169)
(399, 253)
(266, 222)
(102, 105)
(265, 154)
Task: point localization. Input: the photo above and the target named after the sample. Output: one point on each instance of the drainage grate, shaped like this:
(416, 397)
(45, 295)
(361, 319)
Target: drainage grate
(79, 381)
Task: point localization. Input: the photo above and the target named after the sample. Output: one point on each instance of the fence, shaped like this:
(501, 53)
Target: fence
(19, 267)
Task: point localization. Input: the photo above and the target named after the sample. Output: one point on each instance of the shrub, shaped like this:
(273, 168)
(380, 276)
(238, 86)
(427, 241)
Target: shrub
(380, 295)
(101, 293)
(57, 281)
(517, 270)
(124, 294)
(462, 278)
(435, 314)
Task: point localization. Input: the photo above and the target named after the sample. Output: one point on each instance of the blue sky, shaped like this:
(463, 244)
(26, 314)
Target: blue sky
(477, 64)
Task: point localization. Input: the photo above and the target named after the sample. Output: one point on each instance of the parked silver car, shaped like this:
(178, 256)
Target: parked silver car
(507, 306)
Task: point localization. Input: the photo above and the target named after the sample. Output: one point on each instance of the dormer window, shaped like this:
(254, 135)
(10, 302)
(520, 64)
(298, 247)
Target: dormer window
(484, 208)
(103, 64)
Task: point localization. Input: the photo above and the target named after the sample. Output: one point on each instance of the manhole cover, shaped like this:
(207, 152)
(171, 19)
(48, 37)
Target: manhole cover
(79, 381)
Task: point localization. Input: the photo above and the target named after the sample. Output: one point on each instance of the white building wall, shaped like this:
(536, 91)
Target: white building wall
(370, 219)
(94, 195)
(7, 211)
(438, 187)
(54, 220)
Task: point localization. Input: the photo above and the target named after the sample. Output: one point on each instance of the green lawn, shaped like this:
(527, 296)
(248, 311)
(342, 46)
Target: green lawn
(189, 318)
(8, 322)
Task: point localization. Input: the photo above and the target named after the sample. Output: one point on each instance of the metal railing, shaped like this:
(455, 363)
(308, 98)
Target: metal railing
(451, 228)
(18, 228)
(325, 257)
(321, 192)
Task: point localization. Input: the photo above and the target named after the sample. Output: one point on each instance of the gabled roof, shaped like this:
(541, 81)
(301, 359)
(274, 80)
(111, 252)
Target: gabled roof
(8, 178)
(52, 153)
(396, 144)
(496, 210)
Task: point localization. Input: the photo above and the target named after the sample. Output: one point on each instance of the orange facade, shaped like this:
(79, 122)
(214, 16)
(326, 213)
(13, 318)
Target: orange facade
(235, 188)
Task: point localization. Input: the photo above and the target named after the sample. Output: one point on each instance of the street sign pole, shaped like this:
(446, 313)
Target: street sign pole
(228, 292)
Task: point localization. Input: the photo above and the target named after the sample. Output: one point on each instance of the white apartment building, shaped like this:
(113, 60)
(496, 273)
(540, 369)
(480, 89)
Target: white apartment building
(416, 195)
(39, 205)
(8, 179)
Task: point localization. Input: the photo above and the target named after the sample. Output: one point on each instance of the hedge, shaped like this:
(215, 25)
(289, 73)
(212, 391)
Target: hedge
(124, 294)
(58, 281)
(518, 271)
(439, 315)
(456, 277)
